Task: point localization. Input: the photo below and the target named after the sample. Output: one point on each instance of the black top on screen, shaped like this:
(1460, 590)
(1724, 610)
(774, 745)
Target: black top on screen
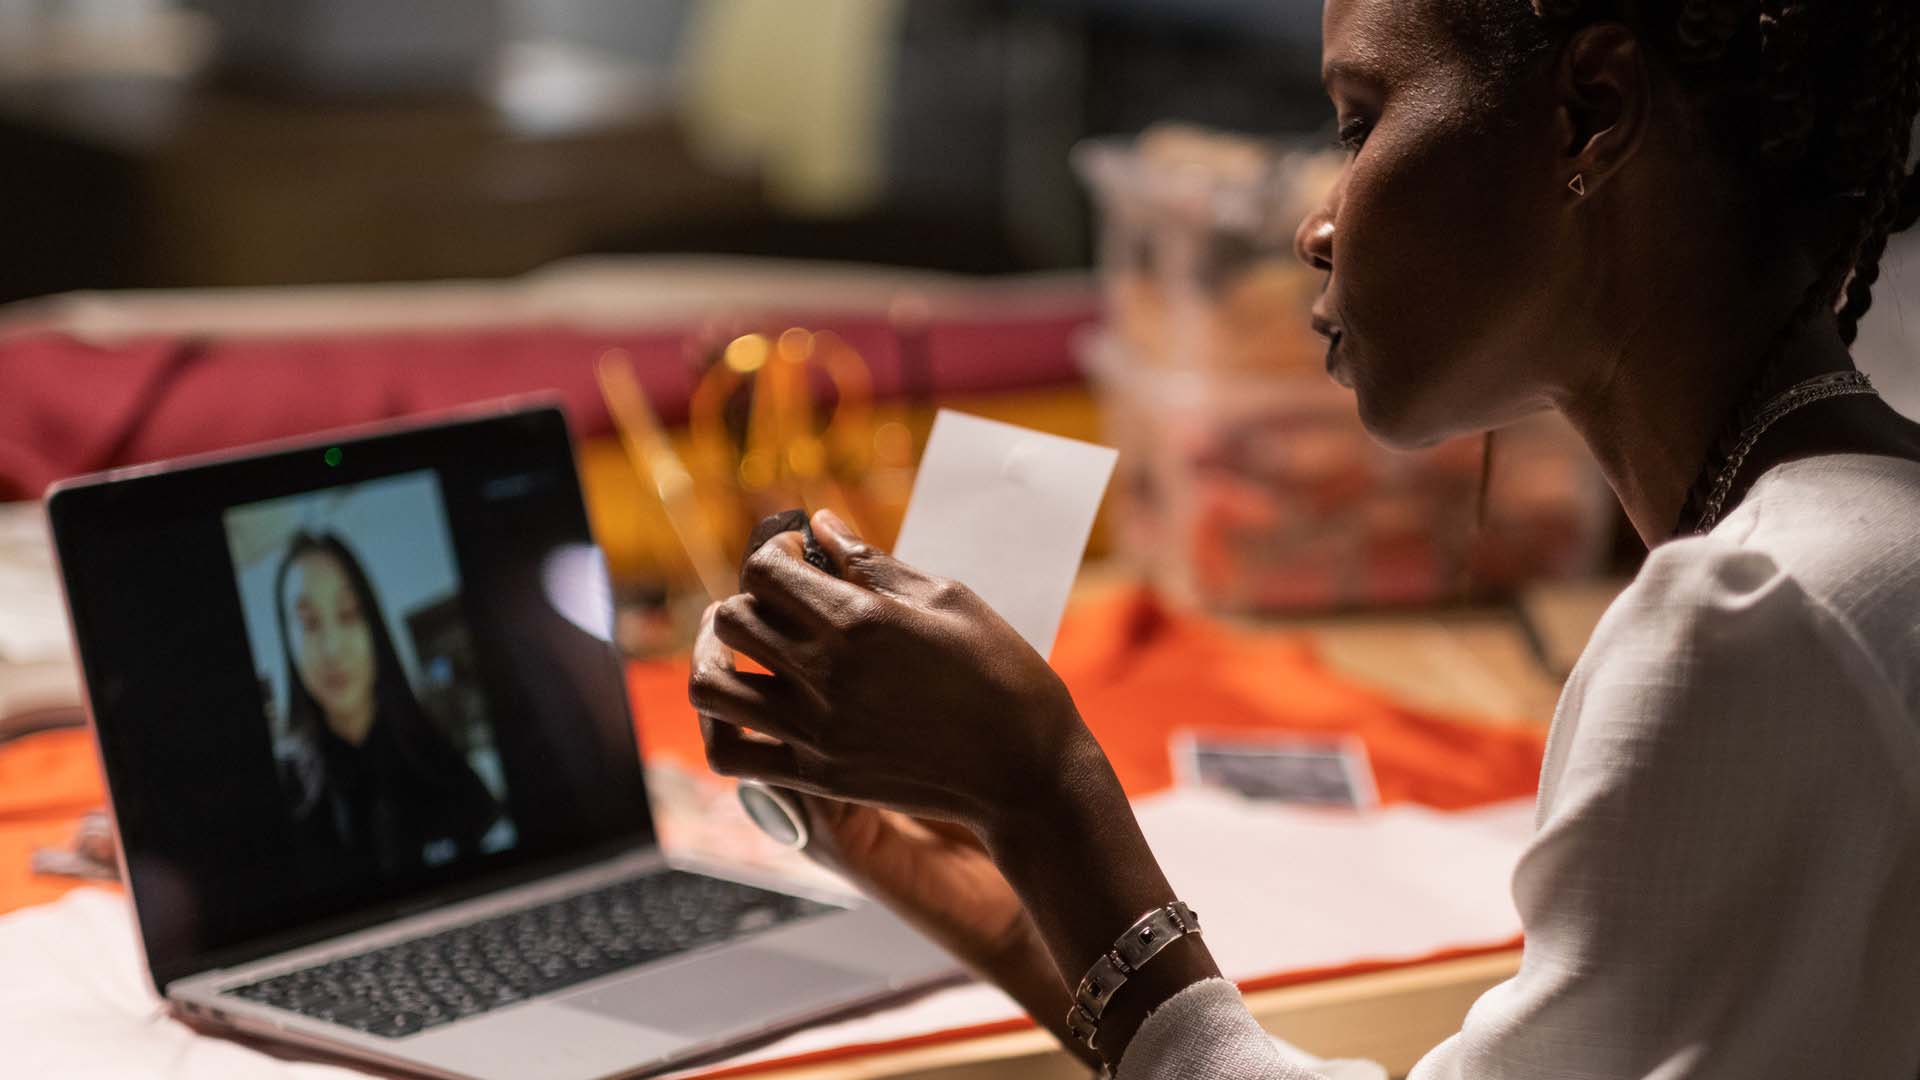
(341, 680)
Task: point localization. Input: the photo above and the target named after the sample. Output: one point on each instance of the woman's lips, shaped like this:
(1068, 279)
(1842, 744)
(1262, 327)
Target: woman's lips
(1330, 330)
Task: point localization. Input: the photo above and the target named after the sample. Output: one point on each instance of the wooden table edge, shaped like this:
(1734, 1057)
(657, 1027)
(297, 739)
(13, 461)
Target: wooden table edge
(1392, 1017)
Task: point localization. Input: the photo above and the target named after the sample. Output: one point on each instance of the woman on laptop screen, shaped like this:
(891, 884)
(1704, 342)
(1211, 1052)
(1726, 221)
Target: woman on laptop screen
(372, 776)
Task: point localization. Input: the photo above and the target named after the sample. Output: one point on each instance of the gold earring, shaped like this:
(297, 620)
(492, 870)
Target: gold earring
(1578, 185)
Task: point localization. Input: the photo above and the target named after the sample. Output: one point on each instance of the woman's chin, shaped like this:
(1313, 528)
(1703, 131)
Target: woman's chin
(347, 705)
(1394, 422)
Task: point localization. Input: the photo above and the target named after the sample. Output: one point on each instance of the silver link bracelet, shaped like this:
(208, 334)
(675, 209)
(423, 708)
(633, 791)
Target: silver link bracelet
(1143, 941)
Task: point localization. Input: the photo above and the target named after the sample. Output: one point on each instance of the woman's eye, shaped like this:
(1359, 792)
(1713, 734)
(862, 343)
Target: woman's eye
(1353, 134)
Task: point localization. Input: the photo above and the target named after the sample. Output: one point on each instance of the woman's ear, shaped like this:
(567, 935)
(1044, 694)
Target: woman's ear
(1605, 100)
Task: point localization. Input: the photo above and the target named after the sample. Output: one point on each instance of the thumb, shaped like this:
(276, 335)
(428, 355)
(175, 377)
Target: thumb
(861, 562)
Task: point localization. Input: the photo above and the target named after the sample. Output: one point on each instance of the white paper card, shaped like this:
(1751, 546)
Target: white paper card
(1006, 512)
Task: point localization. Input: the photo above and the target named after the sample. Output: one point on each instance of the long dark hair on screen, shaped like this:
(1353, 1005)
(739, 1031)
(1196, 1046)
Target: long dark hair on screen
(421, 743)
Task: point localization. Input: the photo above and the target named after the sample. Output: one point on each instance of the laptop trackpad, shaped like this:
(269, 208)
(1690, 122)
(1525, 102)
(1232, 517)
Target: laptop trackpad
(740, 988)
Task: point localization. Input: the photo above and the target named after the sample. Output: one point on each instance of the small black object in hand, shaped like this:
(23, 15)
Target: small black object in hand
(789, 521)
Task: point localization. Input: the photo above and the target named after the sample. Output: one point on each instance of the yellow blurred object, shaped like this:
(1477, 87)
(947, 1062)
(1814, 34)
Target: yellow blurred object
(786, 456)
(755, 444)
(639, 540)
(747, 353)
(796, 93)
(654, 459)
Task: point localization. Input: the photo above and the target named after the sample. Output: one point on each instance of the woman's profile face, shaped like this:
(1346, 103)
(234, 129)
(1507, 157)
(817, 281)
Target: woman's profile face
(332, 643)
(1438, 237)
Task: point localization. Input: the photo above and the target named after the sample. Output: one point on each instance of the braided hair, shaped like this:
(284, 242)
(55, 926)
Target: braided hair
(1812, 104)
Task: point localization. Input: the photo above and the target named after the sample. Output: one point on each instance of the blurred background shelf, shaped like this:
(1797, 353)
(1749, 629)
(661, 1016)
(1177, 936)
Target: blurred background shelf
(119, 182)
(160, 143)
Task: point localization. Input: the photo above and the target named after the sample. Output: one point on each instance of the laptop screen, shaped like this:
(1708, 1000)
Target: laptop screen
(339, 682)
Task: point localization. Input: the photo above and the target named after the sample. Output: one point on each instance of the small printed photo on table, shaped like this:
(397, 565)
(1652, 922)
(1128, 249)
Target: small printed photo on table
(1308, 770)
(381, 729)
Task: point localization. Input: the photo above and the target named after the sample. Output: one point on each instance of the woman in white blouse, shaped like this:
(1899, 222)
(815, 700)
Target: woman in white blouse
(1663, 219)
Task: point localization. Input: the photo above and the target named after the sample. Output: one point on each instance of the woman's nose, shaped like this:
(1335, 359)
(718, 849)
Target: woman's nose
(1313, 240)
(328, 642)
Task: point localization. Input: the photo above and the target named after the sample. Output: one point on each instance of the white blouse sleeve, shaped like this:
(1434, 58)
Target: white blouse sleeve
(1706, 896)
(1728, 789)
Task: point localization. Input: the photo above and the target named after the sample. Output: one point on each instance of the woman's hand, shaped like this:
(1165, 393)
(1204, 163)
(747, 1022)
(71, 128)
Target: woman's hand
(891, 687)
(938, 877)
(904, 692)
(934, 874)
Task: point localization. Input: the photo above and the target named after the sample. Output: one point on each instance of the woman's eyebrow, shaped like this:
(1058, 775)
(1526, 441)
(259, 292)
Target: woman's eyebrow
(1341, 69)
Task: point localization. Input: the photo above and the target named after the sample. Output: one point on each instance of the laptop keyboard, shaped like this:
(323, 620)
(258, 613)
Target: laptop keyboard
(452, 974)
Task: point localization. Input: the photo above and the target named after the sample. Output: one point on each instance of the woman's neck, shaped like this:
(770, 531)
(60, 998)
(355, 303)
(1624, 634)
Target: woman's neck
(1659, 399)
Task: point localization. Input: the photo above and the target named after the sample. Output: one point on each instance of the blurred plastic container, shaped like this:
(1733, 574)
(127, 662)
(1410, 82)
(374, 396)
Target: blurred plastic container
(1246, 481)
(1196, 247)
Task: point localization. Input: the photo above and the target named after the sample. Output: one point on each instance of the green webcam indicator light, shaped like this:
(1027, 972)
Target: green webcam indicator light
(332, 456)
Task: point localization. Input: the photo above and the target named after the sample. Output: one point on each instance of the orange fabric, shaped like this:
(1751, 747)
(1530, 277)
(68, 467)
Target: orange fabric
(47, 781)
(1140, 673)
(50, 774)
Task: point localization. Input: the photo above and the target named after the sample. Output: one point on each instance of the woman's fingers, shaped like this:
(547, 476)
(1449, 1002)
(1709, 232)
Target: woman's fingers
(709, 652)
(779, 576)
(863, 564)
(763, 703)
(733, 752)
(746, 756)
(739, 625)
(741, 700)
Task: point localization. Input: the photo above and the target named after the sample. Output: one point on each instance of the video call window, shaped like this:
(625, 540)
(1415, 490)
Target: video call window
(381, 734)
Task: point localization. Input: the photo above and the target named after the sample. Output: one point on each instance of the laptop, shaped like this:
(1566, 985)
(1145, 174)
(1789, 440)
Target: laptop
(374, 774)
